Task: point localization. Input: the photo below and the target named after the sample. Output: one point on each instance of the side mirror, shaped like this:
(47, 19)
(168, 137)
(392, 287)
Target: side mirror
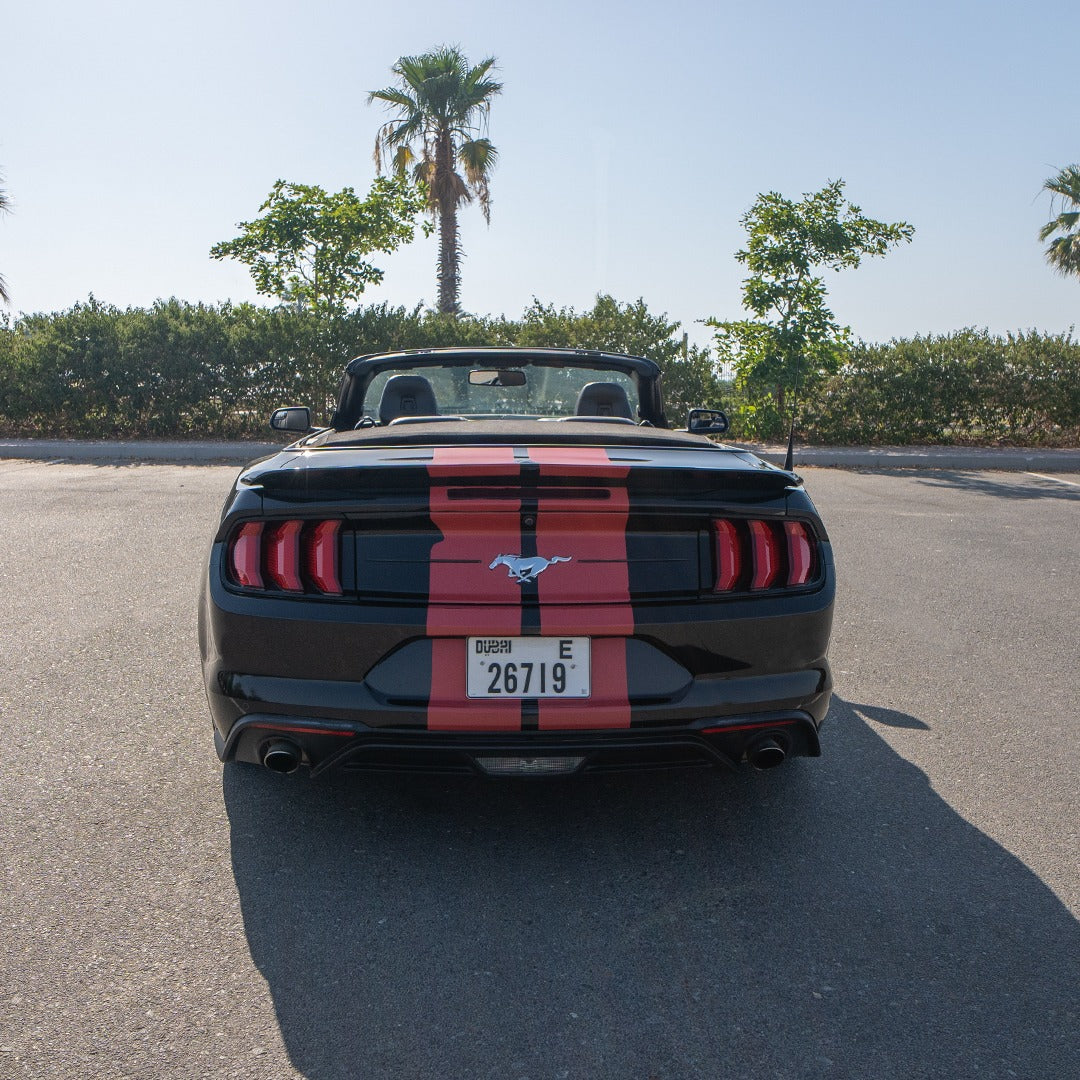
(707, 422)
(295, 418)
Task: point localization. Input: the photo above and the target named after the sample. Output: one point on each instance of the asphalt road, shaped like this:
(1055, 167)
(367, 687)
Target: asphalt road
(903, 907)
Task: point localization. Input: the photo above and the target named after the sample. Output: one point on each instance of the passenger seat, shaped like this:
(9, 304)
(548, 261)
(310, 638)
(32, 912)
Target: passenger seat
(603, 399)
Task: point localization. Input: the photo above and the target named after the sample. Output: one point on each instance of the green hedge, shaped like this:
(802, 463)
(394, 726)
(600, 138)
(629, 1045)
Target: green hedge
(180, 370)
(183, 370)
(967, 387)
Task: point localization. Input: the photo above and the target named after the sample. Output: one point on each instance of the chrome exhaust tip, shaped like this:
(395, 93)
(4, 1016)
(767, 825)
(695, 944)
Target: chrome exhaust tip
(766, 753)
(282, 756)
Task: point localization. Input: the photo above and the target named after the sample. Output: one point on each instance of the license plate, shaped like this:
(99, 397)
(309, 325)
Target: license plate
(528, 667)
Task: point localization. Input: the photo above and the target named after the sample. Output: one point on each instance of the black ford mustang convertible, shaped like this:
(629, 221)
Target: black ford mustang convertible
(506, 562)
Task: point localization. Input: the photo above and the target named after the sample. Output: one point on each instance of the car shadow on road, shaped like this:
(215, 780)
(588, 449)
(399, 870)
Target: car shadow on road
(829, 918)
(1021, 487)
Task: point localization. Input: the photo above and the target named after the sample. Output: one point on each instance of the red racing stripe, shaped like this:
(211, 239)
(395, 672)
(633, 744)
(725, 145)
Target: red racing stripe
(590, 595)
(464, 596)
(449, 462)
(449, 709)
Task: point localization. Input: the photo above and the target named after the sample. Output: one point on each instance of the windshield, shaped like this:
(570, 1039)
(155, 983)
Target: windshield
(479, 391)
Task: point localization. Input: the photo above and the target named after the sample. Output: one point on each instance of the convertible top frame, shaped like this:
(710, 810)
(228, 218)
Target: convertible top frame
(360, 371)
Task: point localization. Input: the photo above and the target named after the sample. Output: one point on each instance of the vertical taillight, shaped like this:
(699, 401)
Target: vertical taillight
(245, 555)
(799, 553)
(766, 552)
(322, 557)
(291, 556)
(728, 555)
(283, 556)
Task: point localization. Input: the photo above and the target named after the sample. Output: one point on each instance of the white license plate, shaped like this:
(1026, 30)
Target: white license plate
(528, 667)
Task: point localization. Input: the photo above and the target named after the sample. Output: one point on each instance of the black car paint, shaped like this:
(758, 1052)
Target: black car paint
(348, 678)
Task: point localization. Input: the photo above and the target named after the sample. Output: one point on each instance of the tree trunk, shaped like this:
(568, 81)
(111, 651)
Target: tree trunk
(449, 253)
(446, 196)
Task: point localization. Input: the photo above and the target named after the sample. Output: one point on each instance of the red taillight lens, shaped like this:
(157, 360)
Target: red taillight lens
(754, 555)
(283, 556)
(288, 556)
(245, 555)
(799, 552)
(728, 555)
(321, 560)
(766, 554)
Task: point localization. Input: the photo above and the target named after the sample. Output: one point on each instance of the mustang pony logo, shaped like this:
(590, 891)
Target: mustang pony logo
(522, 569)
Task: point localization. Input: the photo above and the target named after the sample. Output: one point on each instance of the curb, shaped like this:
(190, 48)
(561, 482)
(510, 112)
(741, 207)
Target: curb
(148, 452)
(992, 458)
(135, 452)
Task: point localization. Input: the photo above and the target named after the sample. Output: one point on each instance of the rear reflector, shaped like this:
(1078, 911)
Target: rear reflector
(757, 555)
(303, 729)
(291, 556)
(728, 729)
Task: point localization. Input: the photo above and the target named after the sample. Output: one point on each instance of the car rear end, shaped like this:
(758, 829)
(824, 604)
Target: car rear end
(517, 609)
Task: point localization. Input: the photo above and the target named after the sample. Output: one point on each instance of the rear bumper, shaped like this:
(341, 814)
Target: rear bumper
(325, 746)
(354, 686)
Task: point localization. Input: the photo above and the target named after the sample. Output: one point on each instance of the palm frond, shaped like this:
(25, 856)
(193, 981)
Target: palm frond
(1066, 185)
(5, 207)
(478, 158)
(403, 158)
(1063, 253)
(1062, 223)
(393, 96)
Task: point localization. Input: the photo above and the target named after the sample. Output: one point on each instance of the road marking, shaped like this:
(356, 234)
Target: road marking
(1056, 479)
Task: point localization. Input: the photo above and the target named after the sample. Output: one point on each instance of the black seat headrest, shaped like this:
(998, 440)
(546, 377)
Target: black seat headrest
(603, 399)
(406, 395)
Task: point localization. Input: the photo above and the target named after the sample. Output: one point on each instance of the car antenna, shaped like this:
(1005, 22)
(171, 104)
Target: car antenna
(794, 413)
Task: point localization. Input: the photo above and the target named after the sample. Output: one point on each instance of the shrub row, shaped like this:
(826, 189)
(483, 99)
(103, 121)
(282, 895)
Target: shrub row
(966, 387)
(180, 370)
(183, 370)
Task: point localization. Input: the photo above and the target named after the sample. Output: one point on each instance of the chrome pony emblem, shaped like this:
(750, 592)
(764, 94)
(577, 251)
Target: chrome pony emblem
(522, 569)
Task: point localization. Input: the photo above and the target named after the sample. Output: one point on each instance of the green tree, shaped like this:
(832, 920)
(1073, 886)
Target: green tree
(689, 377)
(442, 107)
(793, 333)
(5, 207)
(309, 246)
(1063, 252)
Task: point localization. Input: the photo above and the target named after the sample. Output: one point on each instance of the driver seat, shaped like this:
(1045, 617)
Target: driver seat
(406, 395)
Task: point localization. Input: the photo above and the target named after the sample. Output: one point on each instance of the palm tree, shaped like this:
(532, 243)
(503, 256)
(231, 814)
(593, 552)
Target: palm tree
(442, 106)
(1063, 252)
(5, 206)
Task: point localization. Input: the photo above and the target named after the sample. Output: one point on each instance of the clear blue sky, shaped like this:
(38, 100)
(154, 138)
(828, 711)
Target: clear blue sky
(632, 137)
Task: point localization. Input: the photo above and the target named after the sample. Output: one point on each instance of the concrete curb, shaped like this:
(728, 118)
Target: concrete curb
(147, 452)
(141, 452)
(997, 458)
